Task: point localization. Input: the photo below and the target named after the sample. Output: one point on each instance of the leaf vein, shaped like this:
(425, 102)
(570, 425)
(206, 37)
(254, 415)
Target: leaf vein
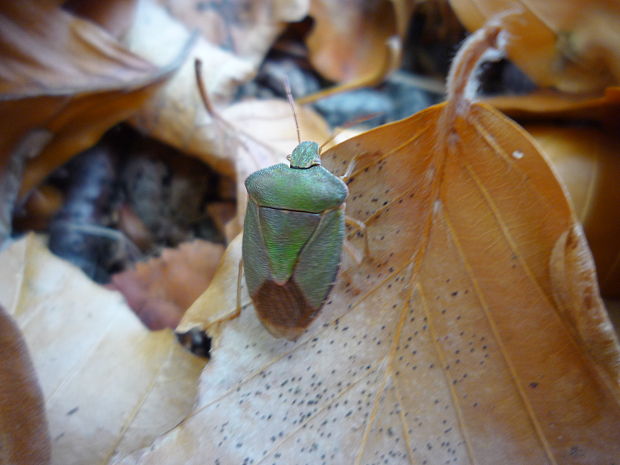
(513, 373)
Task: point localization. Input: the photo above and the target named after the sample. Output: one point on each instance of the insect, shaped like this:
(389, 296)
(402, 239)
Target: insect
(292, 239)
(293, 236)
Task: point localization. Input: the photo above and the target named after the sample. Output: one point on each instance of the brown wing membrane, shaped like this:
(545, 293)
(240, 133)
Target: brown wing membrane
(283, 310)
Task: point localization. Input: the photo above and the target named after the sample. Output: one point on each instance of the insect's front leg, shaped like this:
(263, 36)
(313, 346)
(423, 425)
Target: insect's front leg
(238, 309)
(360, 226)
(357, 224)
(350, 167)
(353, 163)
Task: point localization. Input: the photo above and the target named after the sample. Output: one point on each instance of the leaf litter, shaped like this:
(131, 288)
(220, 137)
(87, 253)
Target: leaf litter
(65, 82)
(472, 332)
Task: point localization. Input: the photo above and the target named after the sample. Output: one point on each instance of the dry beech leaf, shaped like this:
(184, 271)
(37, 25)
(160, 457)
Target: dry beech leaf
(351, 41)
(581, 142)
(586, 160)
(473, 333)
(247, 28)
(572, 275)
(64, 82)
(161, 289)
(176, 115)
(23, 426)
(570, 45)
(272, 122)
(109, 385)
(546, 104)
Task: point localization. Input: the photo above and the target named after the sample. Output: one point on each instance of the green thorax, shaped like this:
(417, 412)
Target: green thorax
(303, 186)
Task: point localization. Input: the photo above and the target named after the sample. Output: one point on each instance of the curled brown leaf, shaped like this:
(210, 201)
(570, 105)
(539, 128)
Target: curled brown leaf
(23, 424)
(65, 81)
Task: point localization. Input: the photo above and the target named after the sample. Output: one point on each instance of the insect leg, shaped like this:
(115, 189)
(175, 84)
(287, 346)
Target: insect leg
(361, 228)
(238, 309)
(347, 174)
(353, 163)
(353, 252)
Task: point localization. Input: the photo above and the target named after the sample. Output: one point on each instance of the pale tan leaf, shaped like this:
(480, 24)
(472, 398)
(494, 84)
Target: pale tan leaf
(272, 123)
(176, 115)
(109, 385)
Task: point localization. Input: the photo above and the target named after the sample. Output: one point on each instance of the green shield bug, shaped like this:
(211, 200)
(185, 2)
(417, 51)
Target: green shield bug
(293, 235)
(292, 239)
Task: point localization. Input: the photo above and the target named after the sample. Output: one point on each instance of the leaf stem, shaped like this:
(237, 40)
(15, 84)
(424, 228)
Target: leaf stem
(460, 78)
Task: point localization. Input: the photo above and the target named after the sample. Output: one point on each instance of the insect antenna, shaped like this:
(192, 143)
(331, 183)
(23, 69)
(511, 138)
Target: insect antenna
(289, 96)
(201, 88)
(206, 101)
(232, 133)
